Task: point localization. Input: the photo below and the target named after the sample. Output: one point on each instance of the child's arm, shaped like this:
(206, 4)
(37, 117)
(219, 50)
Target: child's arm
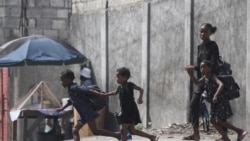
(194, 79)
(115, 92)
(139, 100)
(95, 92)
(219, 89)
(65, 106)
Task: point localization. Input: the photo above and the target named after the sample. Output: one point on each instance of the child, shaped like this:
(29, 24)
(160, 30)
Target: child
(130, 113)
(220, 106)
(78, 98)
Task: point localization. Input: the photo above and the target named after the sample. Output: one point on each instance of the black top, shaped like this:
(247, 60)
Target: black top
(208, 51)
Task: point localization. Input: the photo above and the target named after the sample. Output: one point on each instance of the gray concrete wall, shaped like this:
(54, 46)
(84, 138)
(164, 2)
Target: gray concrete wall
(156, 39)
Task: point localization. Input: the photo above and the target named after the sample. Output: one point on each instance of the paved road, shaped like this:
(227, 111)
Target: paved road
(162, 138)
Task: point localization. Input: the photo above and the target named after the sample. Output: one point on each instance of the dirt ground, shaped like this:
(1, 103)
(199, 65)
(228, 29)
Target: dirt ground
(178, 131)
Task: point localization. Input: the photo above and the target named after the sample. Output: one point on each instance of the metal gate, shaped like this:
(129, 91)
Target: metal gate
(4, 108)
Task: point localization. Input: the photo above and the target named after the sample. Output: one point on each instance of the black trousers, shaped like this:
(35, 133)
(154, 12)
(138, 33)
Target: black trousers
(195, 105)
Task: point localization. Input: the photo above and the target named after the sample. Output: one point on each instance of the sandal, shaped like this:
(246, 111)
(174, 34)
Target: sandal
(243, 135)
(157, 138)
(191, 137)
(220, 139)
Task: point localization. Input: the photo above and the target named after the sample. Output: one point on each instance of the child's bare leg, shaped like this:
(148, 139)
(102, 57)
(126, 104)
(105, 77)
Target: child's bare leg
(124, 127)
(76, 129)
(96, 131)
(219, 129)
(230, 126)
(141, 133)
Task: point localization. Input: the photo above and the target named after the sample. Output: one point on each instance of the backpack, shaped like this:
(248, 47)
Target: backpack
(230, 86)
(224, 67)
(97, 102)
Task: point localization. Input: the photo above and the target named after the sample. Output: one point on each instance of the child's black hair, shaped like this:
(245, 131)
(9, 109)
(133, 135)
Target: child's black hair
(208, 63)
(68, 74)
(123, 71)
(213, 29)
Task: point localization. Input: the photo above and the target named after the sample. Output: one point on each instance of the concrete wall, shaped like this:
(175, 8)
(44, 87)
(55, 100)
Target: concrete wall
(156, 39)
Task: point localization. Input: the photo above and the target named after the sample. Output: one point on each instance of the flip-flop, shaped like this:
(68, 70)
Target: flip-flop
(191, 137)
(220, 139)
(157, 138)
(240, 138)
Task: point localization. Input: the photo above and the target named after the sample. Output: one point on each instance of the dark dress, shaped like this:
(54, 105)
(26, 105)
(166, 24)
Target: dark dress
(78, 97)
(222, 109)
(130, 112)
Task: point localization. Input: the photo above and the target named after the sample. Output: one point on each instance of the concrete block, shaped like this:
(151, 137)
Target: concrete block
(32, 22)
(113, 3)
(1, 35)
(87, 5)
(63, 35)
(42, 3)
(35, 31)
(10, 2)
(34, 13)
(57, 3)
(59, 24)
(51, 33)
(62, 13)
(2, 11)
(43, 23)
(6, 32)
(49, 13)
(15, 12)
(11, 22)
(31, 3)
(16, 32)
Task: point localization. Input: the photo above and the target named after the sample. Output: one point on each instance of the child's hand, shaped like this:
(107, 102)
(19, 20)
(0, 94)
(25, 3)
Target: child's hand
(189, 68)
(139, 101)
(59, 109)
(215, 99)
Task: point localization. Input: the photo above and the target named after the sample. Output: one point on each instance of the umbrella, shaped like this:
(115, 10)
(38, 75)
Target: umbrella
(38, 50)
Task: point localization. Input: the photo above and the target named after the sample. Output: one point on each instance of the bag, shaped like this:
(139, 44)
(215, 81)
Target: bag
(224, 67)
(97, 102)
(230, 86)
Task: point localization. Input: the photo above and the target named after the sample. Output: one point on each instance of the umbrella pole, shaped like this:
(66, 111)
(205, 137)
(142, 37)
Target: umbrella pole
(41, 95)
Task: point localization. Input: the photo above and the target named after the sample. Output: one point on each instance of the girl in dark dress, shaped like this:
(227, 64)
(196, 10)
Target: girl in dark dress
(220, 106)
(129, 112)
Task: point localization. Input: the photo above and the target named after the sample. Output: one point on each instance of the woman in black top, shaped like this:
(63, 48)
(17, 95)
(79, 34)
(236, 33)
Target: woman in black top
(207, 50)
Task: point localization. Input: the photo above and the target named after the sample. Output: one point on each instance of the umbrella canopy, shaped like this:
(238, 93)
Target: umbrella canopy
(38, 50)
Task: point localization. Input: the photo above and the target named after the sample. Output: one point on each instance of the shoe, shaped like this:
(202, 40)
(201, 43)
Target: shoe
(240, 138)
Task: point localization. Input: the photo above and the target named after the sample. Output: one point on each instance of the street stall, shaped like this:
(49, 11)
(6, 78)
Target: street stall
(39, 103)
